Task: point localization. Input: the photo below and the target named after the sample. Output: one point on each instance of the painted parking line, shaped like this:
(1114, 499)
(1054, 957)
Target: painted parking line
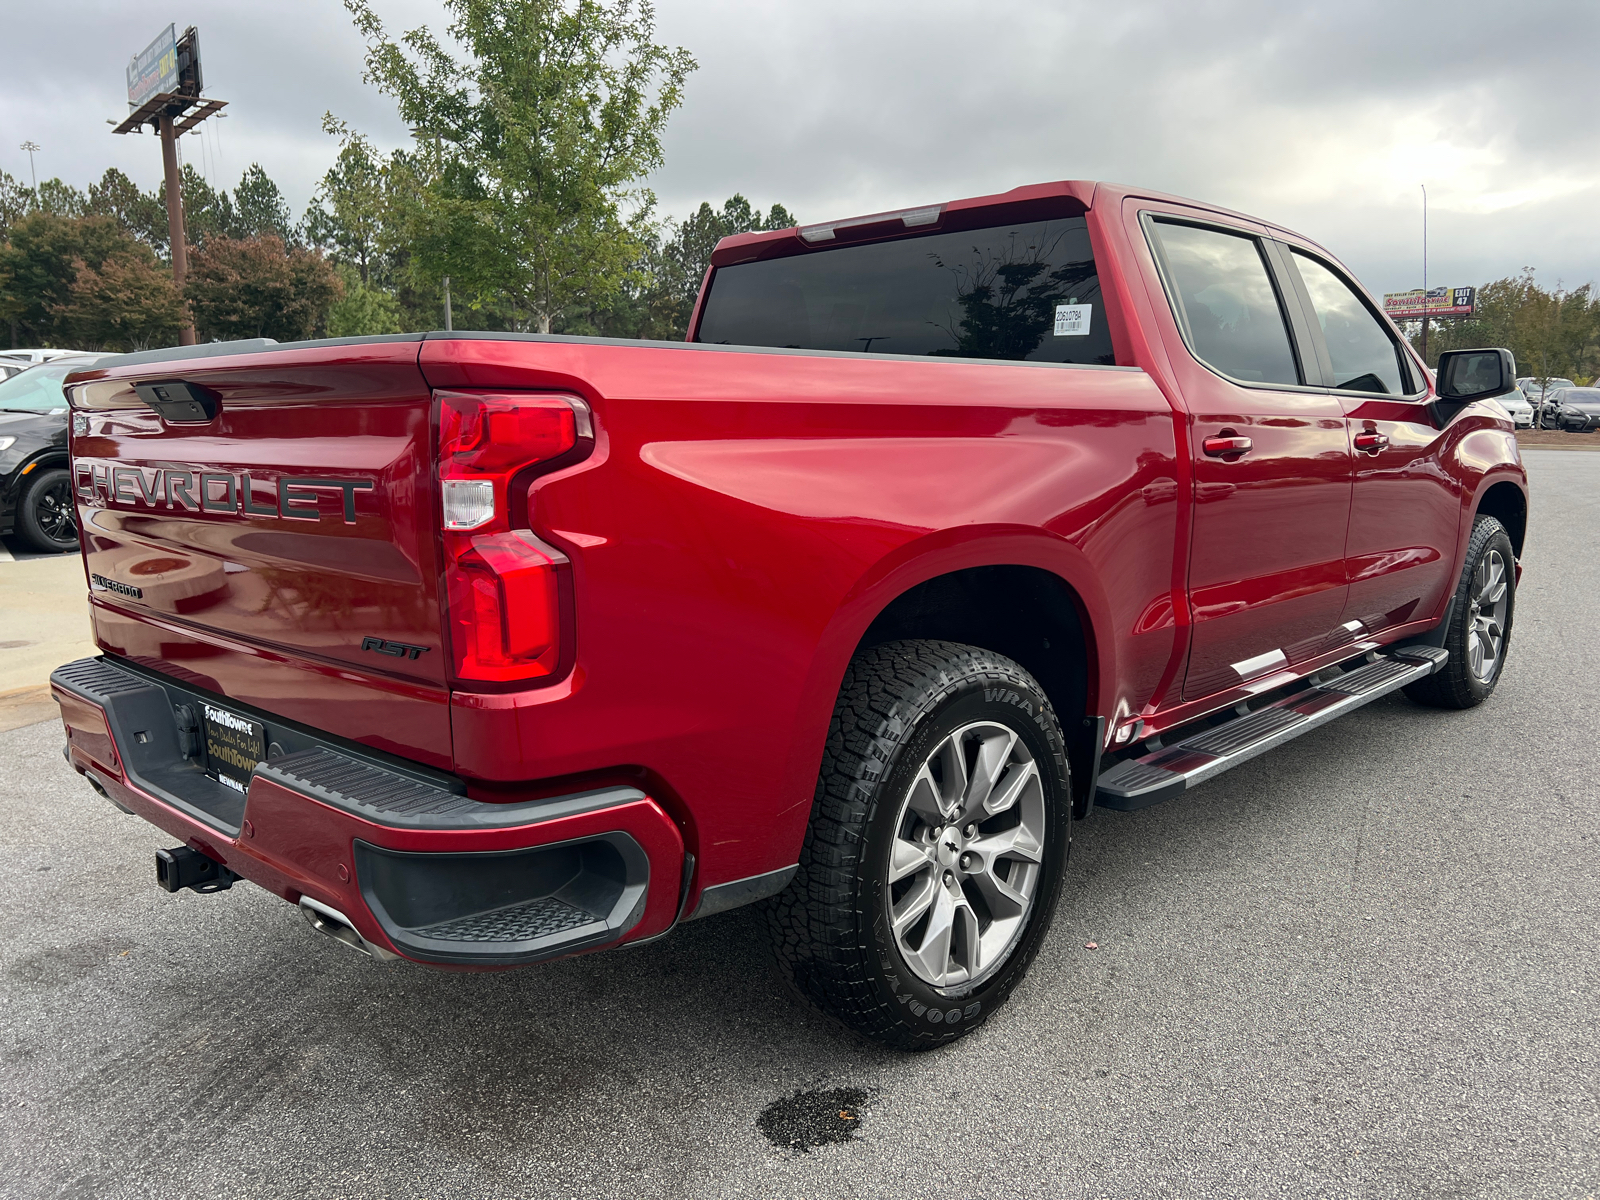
(5, 554)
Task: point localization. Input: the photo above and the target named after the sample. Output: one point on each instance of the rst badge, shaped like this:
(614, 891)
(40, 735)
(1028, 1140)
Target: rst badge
(393, 649)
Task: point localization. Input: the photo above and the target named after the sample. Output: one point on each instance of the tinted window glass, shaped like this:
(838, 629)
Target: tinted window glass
(1365, 358)
(1015, 291)
(39, 388)
(1228, 303)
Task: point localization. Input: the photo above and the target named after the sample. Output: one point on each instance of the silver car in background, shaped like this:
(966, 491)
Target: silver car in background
(1517, 408)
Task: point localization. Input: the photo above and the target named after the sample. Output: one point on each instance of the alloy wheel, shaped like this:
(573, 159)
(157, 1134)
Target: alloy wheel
(1486, 633)
(54, 511)
(967, 854)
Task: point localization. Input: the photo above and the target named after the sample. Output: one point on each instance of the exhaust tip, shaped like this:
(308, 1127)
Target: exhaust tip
(101, 791)
(326, 919)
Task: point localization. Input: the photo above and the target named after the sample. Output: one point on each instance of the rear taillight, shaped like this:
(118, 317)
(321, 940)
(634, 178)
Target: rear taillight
(502, 584)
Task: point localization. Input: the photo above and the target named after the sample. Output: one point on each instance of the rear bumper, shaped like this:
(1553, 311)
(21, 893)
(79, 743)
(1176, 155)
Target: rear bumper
(417, 867)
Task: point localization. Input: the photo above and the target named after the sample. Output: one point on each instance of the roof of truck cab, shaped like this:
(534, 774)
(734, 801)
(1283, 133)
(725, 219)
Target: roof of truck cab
(1083, 193)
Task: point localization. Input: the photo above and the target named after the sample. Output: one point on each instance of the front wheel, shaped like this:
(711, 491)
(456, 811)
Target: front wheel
(1479, 634)
(938, 837)
(46, 518)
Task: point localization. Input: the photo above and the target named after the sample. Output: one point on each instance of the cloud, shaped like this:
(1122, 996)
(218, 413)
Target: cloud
(1323, 117)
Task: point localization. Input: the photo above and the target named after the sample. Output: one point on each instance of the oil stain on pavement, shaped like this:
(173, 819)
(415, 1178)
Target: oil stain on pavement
(814, 1118)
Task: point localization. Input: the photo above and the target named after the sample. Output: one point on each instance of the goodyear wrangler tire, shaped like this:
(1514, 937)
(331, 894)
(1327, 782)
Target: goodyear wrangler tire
(1479, 635)
(938, 838)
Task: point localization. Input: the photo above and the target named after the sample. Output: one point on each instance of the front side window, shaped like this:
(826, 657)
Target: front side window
(1365, 358)
(1025, 292)
(1227, 303)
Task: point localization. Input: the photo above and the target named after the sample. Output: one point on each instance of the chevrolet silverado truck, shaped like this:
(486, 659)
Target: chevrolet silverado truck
(943, 528)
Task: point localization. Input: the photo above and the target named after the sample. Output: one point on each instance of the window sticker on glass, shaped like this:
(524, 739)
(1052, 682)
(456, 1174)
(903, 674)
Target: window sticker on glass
(1072, 320)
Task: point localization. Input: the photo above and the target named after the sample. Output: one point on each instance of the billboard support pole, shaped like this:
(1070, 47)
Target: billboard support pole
(164, 92)
(175, 233)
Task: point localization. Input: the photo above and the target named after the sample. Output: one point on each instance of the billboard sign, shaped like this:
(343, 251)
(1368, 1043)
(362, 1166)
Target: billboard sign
(1435, 302)
(154, 70)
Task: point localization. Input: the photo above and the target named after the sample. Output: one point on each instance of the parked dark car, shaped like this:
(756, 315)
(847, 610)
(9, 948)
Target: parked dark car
(35, 490)
(1559, 412)
(1573, 404)
(1534, 390)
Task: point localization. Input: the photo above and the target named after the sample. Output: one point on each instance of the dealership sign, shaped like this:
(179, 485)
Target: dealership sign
(154, 70)
(1435, 302)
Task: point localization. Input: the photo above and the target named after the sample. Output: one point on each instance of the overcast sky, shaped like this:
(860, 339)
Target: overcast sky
(1324, 116)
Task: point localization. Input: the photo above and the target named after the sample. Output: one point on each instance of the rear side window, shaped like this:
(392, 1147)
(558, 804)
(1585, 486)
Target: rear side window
(1026, 292)
(1365, 358)
(1226, 302)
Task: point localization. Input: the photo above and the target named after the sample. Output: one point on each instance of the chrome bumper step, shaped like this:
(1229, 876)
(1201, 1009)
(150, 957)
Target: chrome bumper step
(1136, 783)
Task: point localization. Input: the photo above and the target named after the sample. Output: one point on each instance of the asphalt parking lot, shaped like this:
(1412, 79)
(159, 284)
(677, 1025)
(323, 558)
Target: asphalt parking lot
(1364, 965)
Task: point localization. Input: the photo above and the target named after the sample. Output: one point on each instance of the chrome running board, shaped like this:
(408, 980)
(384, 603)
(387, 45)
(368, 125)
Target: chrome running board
(1172, 770)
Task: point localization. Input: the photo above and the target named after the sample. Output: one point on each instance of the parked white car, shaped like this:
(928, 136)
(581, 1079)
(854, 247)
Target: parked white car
(1517, 408)
(32, 357)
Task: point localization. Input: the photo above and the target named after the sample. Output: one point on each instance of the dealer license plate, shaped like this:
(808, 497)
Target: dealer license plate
(234, 745)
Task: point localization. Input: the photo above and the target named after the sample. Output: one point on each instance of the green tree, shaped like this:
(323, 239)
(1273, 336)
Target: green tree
(347, 214)
(207, 211)
(532, 147)
(362, 309)
(39, 265)
(128, 302)
(259, 209)
(16, 202)
(258, 287)
(61, 199)
(142, 214)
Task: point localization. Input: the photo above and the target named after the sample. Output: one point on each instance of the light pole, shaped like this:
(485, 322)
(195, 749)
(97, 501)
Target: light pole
(30, 147)
(1424, 272)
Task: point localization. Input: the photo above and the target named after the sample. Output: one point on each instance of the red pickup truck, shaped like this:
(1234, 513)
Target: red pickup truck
(943, 528)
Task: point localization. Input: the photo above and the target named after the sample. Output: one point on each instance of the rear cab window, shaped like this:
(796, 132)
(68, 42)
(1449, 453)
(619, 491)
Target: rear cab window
(1226, 303)
(1023, 292)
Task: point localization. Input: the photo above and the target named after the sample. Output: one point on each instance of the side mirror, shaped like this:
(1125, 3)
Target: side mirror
(1466, 376)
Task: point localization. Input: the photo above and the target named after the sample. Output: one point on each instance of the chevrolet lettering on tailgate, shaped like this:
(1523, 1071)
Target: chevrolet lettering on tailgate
(289, 497)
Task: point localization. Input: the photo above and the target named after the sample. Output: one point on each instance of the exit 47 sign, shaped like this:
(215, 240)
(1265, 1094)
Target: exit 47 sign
(1435, 302)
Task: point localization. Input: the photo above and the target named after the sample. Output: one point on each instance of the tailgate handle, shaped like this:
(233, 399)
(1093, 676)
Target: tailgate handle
(180, 403)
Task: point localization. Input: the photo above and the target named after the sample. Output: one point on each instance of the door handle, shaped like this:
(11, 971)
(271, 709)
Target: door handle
(1371, 441)
(1230, 446)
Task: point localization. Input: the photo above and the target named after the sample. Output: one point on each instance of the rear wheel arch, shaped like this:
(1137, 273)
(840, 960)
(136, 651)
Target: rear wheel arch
(1506, 503)
(42, 460)
(1026, 613)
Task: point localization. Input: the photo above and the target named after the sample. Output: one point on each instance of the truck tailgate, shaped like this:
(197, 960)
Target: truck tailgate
(282, 553)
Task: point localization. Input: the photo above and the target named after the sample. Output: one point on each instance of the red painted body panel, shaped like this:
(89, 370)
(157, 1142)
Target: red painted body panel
(742, 518)
(268, 609)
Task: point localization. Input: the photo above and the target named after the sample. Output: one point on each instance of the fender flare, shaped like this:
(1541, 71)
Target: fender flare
(906, 567)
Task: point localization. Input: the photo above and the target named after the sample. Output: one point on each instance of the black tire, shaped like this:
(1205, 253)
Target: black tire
(831, 932)
(46, 517)
(1459, 685)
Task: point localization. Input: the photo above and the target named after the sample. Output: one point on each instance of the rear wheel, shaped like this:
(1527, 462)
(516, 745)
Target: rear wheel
(1479, 634)
(937, 841)
(46, 518)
